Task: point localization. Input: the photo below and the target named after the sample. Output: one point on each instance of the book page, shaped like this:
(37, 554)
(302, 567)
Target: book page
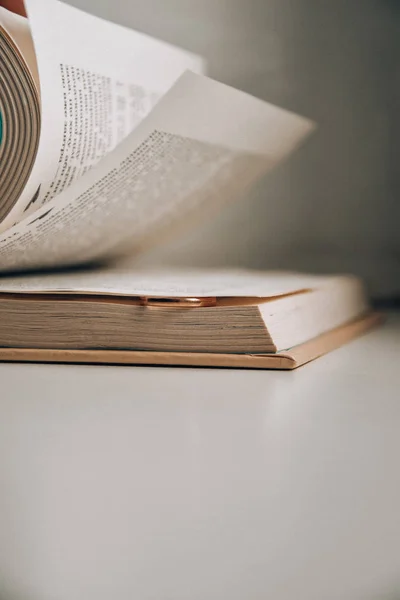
(204, 143)
(98, 80)
(165, 283)
(18, 29)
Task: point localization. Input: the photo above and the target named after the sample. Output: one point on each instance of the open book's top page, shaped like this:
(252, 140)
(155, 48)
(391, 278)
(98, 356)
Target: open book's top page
(174, 283)
(203, 144)
(123, 160)
(108, 75)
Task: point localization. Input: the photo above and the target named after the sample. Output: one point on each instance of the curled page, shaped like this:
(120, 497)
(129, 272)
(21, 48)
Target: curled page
(202, 144)
(98, 80)
(19, 109)
(18, 28)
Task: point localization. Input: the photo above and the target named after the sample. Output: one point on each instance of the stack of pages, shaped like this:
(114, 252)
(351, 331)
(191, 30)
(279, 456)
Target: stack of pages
(208, 318)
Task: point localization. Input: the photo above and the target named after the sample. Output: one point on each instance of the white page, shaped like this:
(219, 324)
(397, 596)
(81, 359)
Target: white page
(166, 283)
(98, 80)
(203, 143)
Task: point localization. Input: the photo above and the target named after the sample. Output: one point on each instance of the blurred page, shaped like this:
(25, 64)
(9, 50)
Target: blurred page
(171, 283)
(203, 144)
(98, 80)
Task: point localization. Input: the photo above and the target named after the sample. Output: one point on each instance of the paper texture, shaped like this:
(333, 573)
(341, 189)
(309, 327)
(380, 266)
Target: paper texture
(98, 80)
(202, 144)
(165, 283)
(19, 110)
(288, 360)
(18, 29)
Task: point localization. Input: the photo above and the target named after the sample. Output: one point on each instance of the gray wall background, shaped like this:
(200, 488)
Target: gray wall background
(334, 206)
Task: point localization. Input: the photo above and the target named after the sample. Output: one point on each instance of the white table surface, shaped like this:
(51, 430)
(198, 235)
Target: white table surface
(177, 484)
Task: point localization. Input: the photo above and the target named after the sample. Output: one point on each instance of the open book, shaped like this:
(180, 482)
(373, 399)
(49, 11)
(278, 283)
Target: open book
(110, 140)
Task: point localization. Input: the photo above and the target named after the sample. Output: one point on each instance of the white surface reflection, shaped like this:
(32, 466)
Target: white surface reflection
(190, 484)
